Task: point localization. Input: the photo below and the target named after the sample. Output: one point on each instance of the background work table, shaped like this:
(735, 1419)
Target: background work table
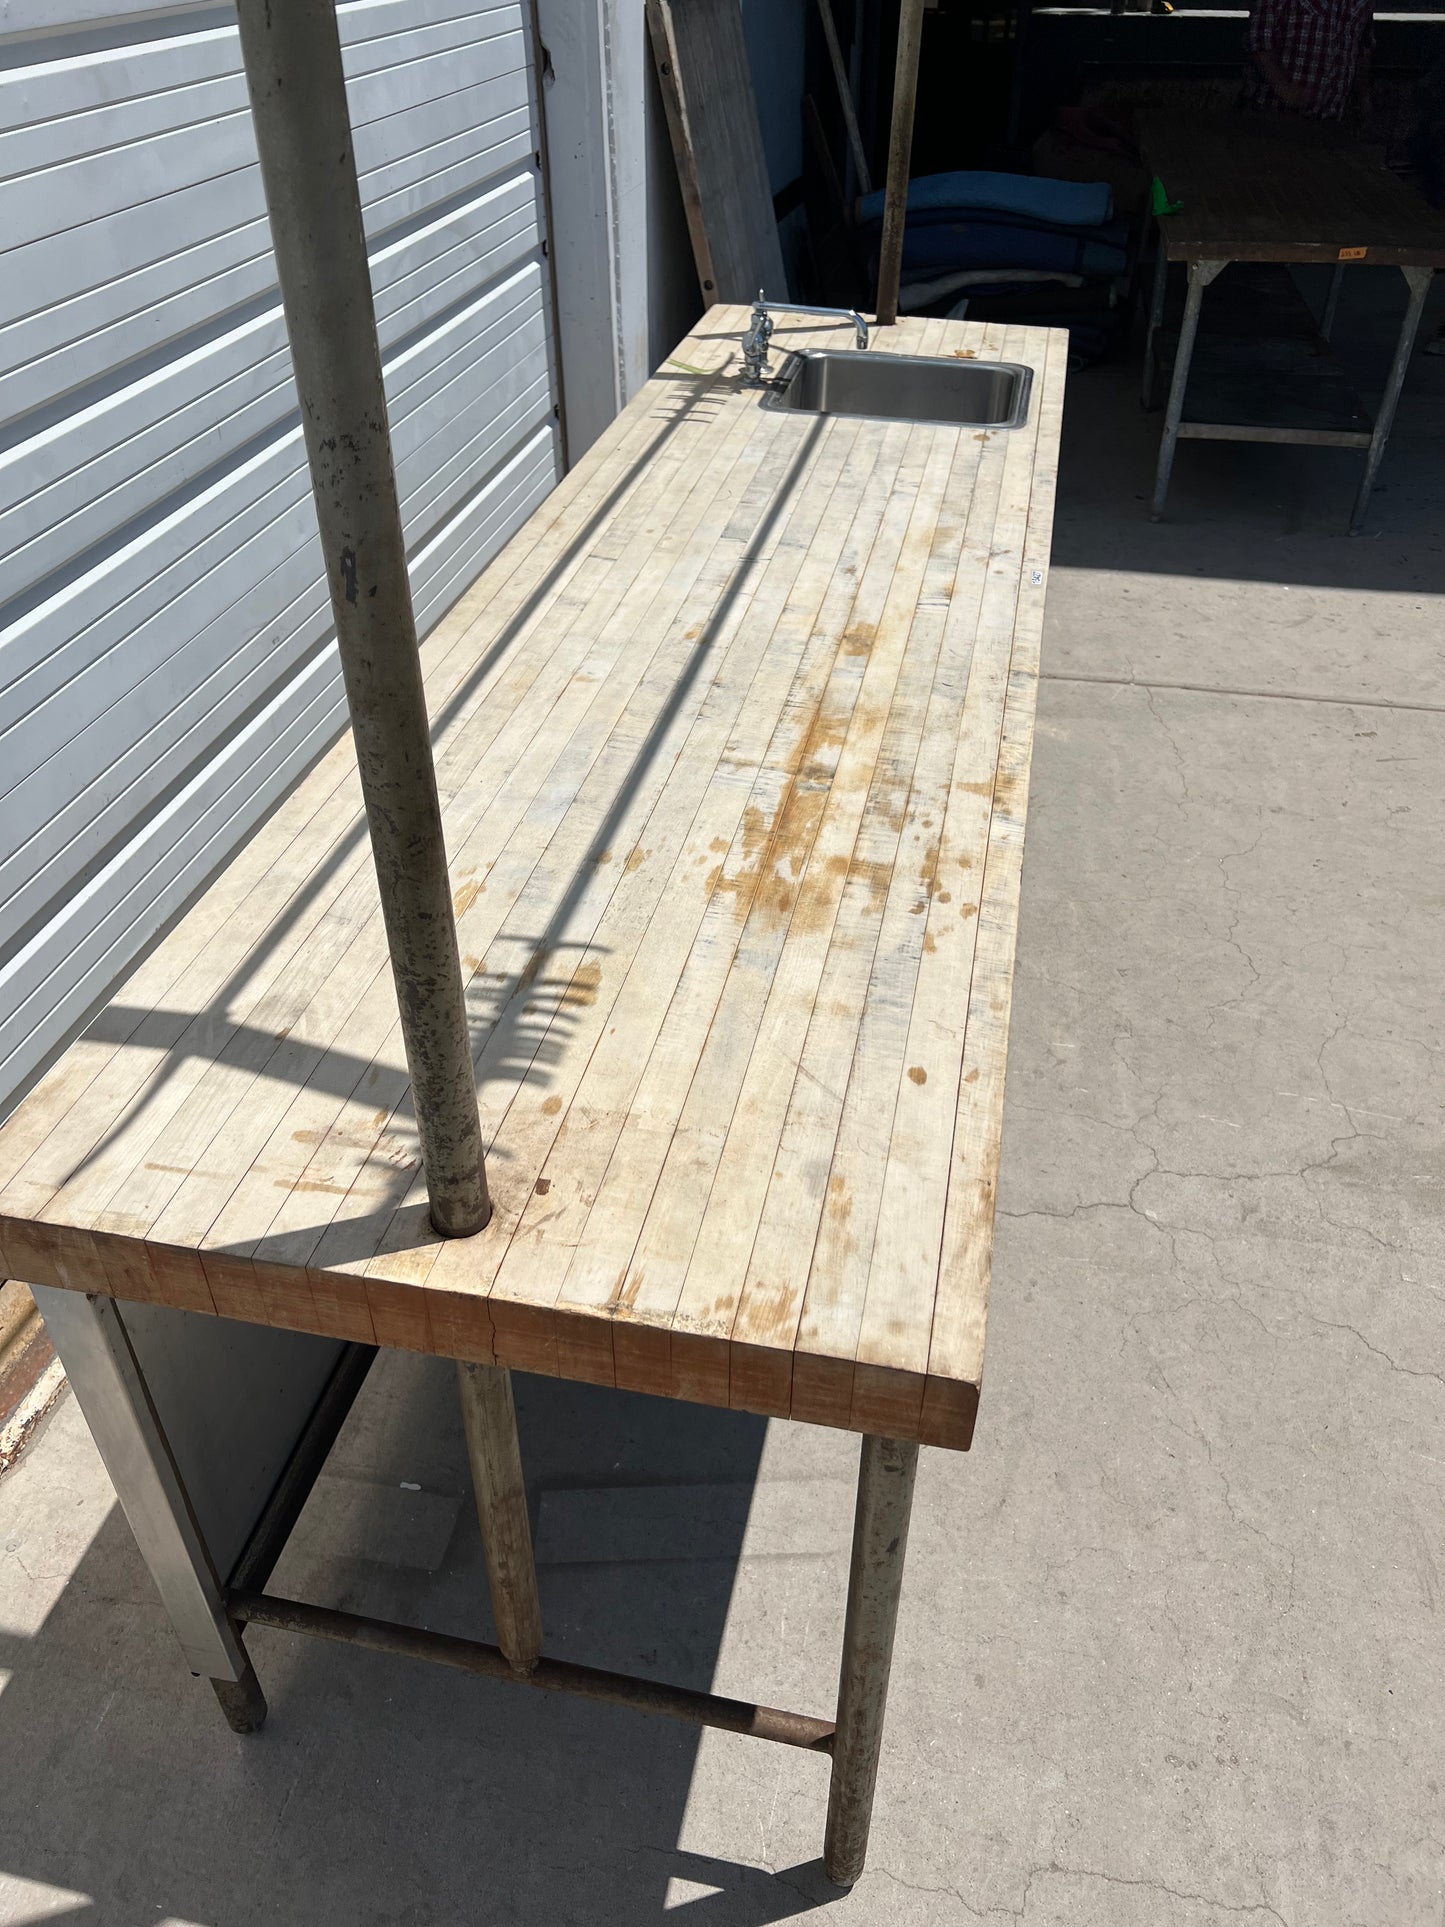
(733, 745)
(1271, 189)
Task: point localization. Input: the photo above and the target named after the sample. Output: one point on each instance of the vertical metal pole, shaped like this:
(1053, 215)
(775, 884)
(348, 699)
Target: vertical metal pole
(900, 151)
(845, 96)
(1418, 280)
(851, 184)
(1201, 273)
(880, 1540)
(1022, 70)
(490, 1417)
(1332, 300)
(1156, 316)
(292, 53)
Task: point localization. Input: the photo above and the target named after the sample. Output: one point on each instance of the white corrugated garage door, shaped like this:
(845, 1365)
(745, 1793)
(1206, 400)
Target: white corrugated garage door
(166, 660)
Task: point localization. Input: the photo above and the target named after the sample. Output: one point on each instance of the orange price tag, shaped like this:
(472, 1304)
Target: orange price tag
(1353, 254)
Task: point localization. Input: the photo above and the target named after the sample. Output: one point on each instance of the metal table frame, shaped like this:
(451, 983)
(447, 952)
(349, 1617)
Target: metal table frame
(1200, 274)
(210, 1607)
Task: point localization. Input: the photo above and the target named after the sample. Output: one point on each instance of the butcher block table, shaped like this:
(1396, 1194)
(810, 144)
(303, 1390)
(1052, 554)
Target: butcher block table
(733, 747)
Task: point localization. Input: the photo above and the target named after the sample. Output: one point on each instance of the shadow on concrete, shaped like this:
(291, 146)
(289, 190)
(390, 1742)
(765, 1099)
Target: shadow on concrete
(382, 1790)
(1255, 512)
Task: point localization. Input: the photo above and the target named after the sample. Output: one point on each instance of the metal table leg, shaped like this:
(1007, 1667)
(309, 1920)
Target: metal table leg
(242, 1701)
(1201, 273)
(1418, 280)
(1156, 315)
(880, 1540)
(491, 1421)
(91, 1338)
(1332, 301)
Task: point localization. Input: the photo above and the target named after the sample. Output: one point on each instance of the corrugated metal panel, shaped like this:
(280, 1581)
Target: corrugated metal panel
(166, 659)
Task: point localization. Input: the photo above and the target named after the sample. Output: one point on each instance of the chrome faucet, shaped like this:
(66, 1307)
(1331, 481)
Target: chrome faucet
(760, 333)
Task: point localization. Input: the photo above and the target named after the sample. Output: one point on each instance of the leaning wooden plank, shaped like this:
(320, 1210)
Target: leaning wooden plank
(712, 115)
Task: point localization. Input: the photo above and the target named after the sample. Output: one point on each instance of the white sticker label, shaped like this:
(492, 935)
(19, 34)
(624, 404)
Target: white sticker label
(1038, 578)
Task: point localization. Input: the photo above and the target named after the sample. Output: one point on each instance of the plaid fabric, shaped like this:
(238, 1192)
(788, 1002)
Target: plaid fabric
(1318, 43)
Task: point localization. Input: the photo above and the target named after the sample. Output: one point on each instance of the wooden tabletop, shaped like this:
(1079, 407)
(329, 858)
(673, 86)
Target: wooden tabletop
(1277, 187)
(733, 745)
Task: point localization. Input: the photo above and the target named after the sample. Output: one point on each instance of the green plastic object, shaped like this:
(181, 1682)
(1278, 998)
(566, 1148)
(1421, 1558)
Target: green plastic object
(1162, 202)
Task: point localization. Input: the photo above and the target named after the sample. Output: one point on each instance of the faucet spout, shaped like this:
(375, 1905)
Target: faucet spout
(759, 333)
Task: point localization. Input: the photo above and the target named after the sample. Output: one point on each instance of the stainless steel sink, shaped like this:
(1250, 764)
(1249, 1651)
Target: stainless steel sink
(910, 388)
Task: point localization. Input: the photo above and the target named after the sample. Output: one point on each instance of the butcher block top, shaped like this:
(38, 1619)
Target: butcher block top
(733, 747)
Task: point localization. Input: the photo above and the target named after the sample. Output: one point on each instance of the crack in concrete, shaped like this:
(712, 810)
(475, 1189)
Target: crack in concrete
(916, 1887)
(1261, 1907)
(1173, 1231)
(1055, 1869)
(1174, 749)
(1341, 1325)
(1197, 1432)
(1256, 695)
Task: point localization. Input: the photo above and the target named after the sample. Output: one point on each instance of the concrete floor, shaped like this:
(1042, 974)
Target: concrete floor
(1170, 1651)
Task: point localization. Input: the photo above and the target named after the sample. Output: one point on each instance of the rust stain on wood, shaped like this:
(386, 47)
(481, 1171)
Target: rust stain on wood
(582, 989)
(624, 1292)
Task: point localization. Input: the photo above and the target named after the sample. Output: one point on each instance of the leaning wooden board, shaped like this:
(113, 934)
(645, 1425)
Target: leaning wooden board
(712, 116)
(733, 742)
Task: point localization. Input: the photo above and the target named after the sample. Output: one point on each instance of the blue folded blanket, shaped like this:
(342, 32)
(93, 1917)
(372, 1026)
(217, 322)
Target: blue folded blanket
(1113, 233)
(1034, 196)
(969, 244)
